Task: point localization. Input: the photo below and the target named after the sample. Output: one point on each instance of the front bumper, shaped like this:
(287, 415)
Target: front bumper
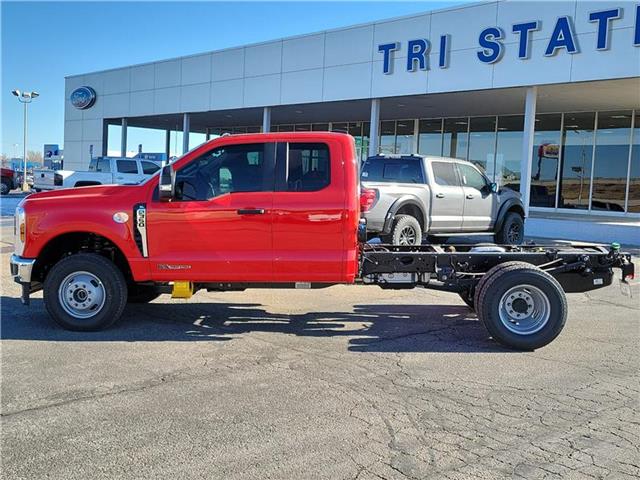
(21, 268)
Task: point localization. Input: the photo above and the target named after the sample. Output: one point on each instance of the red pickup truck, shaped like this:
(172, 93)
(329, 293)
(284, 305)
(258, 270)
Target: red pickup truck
(275, 210)
(9, 180)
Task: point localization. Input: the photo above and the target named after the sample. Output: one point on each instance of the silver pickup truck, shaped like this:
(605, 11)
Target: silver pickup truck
(414, 196)
(102, 171)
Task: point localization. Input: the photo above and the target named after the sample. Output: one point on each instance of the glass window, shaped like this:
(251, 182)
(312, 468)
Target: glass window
(444, 173)
(430, 137)
(308, 167)
(634, 178)
(545, 158)
(577, 152)
(364, 152)
(472, 177)
(285, 128)
(482, 144)
(392, 170)
(387, 137)
(340, 127)
(232, 168)
(127, 166)
(303, 127)
(404, 137)
(320, 127)
(455, 138)
(611, 161)
(509, 151)
(103, 165)
(254, 129)
(149, 168)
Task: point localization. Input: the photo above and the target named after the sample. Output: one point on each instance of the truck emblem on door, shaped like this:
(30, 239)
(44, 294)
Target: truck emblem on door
(168, 266)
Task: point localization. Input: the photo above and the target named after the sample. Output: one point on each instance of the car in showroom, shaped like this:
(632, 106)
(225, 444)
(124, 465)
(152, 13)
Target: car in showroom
(414, 196)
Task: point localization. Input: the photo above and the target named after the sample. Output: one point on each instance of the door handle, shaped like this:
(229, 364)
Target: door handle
(251, 211)
(439, 195)
(470, 195)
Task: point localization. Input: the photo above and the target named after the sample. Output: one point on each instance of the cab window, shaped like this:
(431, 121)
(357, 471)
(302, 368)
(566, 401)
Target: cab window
(149, 168)
(127, 166)
(228, 169)
(472, 177)
(103, 165)
(392, 170)
(444, 174)
(307, 167)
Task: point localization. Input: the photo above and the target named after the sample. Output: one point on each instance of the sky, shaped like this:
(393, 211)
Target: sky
(41, 43)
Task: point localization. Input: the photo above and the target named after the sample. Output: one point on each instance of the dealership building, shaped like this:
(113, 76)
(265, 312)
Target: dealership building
(544, 96)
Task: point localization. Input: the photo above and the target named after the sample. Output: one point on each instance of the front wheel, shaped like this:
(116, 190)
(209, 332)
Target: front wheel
(522, 306)
(85, 292)
(512, 230)
(5, 187)
(406, 231)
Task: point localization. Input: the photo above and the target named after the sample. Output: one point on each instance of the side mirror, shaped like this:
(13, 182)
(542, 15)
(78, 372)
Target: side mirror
(494, 187)
(166, 187)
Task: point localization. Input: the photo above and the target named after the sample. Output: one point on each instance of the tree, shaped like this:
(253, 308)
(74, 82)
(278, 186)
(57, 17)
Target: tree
(34, 156)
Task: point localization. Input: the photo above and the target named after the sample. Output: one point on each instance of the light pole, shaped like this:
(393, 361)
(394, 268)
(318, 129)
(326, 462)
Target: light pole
(25, 98)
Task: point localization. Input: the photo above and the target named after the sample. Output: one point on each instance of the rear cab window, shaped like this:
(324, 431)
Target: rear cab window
(393, 170)
(307, 168)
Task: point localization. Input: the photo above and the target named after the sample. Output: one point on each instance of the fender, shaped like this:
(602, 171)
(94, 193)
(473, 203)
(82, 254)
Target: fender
(396, 206)
(504, 208)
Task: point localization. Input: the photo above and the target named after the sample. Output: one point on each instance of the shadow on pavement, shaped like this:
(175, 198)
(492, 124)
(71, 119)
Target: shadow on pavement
(369, 328)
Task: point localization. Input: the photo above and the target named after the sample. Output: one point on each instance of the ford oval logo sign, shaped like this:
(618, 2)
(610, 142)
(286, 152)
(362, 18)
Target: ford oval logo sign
(83, 97)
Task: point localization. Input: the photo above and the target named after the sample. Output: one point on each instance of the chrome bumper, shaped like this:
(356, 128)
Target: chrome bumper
(21, 268)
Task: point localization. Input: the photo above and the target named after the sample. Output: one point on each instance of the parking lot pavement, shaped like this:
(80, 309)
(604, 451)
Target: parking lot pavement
(347, 382)
(8, 203)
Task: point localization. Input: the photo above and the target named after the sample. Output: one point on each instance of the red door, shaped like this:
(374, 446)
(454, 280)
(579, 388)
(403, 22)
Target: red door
(219, 225)
(309, 213)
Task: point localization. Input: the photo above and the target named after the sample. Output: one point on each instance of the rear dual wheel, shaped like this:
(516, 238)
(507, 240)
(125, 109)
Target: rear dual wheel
(521, 306)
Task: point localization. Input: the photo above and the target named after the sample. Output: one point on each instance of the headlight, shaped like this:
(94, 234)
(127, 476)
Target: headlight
(20, 230)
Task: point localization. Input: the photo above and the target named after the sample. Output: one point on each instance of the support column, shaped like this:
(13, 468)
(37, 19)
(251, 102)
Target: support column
(527, 146)
(186, 126)
(374, 128)
(167, 143)
(207, 134)
(123, 139)
(266, 119)
(416, 134)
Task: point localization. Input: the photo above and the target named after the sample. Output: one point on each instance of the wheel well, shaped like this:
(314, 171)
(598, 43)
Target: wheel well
(517, 209)
(78, 242)
(414, 211)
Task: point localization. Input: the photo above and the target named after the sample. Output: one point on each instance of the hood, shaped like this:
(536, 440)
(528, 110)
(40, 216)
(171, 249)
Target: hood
(94, 196)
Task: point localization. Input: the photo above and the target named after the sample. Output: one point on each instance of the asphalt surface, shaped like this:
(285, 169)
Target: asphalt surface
(342, 383)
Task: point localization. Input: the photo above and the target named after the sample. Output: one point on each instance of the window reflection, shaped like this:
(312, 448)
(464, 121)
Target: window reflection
(430, 137)
(577, 152)
(634, 178)
(455, 137)
(611, 161)
(404, 137)
(509, 150)
(546, 153)
(482, 144)
(387, 137)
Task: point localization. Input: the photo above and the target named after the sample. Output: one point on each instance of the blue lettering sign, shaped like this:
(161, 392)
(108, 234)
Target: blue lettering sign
(492, 49)
(386, 49)
(523, 30)
(636, 37)
(603, 18)
(443, 57)
(562, 37)
(417, 50)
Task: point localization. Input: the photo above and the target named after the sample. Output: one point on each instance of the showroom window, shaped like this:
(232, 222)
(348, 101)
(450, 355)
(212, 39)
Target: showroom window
(611, 161)
(509, 151)
(634, 177)
(404, 137)
(577, 154)
(482, 144)
(545, 160)
(455, 137)
(387, 137)
(430, 137)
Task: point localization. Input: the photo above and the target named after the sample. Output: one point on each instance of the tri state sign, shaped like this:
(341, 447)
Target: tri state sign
(491, 40)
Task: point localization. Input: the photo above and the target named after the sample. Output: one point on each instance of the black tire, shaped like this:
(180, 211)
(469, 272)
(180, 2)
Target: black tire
(467, 298)
(512, 230)
(406, 229)
(142, 293)
(111, 283)
(517, 280)
(5, 187)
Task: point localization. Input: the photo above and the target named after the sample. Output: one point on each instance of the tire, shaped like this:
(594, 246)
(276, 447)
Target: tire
(406, 231)
(521, 306)
(466, 298)
(142, 293)
(512, 230)
(5, 187)
(104, 300)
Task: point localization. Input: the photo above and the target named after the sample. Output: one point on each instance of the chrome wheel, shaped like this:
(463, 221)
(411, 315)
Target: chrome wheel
(407, 236)
(81, 295)
(524, 310)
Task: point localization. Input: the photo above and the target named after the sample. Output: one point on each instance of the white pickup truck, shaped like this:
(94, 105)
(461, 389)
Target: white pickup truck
(102, 171)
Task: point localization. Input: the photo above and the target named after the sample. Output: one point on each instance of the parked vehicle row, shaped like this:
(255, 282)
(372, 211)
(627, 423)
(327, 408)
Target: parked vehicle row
(276, 210)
